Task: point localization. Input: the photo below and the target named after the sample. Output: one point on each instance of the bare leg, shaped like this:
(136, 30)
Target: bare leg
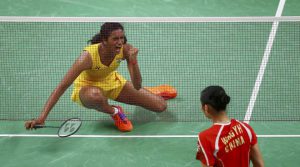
(142, 97)
(92, 97)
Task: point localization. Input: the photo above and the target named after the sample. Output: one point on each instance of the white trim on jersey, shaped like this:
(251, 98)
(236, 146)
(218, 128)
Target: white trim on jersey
(247, 130)
(217, 141)
(224, 123)
(206, 159)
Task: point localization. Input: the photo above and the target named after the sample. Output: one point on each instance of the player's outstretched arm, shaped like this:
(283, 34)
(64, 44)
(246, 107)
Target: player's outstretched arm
(83, 62)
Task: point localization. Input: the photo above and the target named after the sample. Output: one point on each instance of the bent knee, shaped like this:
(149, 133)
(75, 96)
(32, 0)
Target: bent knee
(91, 97)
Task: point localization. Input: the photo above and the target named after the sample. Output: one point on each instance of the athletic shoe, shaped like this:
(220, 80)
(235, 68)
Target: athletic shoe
(165, 91)
(121, 121)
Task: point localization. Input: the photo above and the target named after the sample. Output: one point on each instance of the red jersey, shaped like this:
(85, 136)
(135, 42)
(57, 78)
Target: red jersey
(226, 145)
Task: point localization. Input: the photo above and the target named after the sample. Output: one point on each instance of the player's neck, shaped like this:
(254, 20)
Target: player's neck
(104, 53)
(221, 118)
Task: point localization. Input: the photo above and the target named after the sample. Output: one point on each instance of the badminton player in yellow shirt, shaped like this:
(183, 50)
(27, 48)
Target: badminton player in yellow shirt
(96, 80)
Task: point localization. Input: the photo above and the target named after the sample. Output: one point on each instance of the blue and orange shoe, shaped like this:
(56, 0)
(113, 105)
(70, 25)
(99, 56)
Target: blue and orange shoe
(121, 121)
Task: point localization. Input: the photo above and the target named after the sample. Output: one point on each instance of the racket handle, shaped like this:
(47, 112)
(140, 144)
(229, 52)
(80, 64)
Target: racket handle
(38, 126)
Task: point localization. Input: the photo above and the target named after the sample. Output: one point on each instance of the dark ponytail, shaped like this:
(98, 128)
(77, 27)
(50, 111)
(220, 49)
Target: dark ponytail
(216, 97)
(96, 39)
(105, 32)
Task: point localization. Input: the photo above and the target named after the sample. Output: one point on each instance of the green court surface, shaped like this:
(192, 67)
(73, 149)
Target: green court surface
(187, 56)
(134, 148)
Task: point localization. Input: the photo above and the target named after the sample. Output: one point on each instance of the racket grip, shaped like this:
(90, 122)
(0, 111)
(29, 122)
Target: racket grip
(38, 126)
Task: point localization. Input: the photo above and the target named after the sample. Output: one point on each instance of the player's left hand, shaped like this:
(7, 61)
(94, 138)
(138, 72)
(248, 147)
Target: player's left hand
(133, 52)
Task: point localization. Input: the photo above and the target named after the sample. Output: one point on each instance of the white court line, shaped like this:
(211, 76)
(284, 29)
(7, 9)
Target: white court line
(133, 136)
(264, 63)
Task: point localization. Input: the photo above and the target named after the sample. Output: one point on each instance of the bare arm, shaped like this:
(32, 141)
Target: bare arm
(131, 57)
(256, 156)
(82, 63)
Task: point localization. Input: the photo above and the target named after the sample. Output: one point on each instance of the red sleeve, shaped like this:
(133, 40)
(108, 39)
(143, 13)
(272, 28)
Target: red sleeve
(253, 141)
(204, 151)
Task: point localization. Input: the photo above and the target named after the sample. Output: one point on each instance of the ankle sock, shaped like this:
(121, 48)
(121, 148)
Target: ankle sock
(116, 110)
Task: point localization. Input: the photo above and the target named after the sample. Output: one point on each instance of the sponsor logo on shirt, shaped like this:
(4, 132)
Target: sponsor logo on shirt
(119, 61)
(234, 138)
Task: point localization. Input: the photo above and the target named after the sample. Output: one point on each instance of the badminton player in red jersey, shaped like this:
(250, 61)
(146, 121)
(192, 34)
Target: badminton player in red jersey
(228, 142)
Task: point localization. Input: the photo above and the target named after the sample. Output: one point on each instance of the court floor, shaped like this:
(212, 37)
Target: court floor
(168, 139)
(150, 144)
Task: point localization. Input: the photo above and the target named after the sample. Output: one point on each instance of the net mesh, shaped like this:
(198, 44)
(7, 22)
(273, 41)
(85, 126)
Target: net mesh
(187, 55)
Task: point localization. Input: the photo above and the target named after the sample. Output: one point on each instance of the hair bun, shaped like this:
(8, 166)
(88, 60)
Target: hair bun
(221, 98)
(216, 97)
(225, 99)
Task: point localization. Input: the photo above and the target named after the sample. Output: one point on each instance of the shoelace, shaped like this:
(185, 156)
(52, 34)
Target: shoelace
(122, 116)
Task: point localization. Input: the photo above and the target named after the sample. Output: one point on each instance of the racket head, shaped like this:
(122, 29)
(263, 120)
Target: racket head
(69, 127)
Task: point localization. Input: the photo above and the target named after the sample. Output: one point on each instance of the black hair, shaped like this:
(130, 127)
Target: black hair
(105, 32)
(216, 97)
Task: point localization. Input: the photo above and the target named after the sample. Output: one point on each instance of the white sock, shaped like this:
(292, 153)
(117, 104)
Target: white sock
(116, 110)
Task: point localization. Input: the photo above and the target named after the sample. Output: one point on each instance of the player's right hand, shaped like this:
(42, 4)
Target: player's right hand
(31, 123)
